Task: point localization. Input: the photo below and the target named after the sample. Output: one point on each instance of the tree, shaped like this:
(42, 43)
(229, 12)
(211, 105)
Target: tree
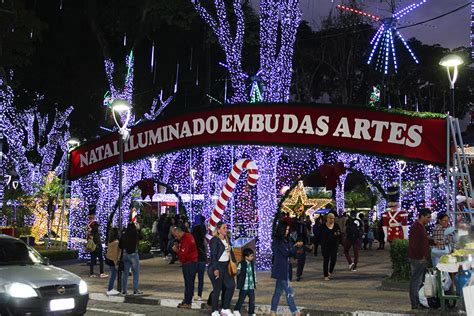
(279, 21)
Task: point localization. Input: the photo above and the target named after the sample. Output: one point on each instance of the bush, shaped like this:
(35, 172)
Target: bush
(400, 264)
(58, 255)
(144, 246)
(146, 234)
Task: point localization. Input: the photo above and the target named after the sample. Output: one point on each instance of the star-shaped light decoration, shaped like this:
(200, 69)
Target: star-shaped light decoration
(297, 203)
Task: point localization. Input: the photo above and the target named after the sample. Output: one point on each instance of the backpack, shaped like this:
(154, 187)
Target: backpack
(91, 245)
(353, 229)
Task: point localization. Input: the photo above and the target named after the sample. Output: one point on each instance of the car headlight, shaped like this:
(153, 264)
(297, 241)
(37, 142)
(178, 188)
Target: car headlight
(20, 290)
(82, 287)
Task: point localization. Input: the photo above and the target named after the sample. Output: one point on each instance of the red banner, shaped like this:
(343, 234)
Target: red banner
(354, 129)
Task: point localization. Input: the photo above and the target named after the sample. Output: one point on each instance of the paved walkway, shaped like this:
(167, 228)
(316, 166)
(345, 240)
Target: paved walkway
(347, 292)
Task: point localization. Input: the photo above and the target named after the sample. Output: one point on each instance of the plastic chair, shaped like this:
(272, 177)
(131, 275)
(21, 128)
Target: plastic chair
(444, 298)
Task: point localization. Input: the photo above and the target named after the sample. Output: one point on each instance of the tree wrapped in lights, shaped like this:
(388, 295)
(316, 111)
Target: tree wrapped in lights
(279, 20)
(31, 152)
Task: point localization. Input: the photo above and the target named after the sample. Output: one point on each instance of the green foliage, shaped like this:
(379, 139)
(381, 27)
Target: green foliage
(49, 190)
(398, 255)
(146, 233)
(58, 255)
(24, 231)
(144, 246)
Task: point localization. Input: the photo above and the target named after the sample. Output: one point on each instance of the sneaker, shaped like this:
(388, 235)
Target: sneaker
(327, 279)
(226, 312)
(298, 279)
(354, 269)
(183, 305)
(237, 313)
(123, 293)
(351, 266)
(330, 275)
(215, 313)
(137, 292)
(92, 276)
(103, 275)
(112, 292)
(198, 298)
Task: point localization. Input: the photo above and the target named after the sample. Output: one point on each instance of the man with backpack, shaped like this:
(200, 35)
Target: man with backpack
(354, 231)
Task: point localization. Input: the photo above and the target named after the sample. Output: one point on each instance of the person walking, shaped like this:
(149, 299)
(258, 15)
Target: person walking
(317, 235)
(199, 234)
(418, 252)
(246, 282)
(300, 254)
(330, 235)
(129, 244)
(354, 232)
(187, 253)
(220, 249)
(112, 259)
(98, 253)
(281, 268)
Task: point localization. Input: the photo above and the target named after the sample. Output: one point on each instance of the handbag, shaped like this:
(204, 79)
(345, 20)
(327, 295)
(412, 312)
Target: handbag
(91, 245)
(232, 266)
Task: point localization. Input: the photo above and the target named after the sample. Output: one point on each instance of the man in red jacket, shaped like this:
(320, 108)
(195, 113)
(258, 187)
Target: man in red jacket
(418, 253)
(188, 256)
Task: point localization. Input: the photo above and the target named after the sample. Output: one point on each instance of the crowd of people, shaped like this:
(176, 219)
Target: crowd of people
(293, 239)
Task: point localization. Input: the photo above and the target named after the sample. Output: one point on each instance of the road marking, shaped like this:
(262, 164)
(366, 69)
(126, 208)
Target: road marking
(110, 311)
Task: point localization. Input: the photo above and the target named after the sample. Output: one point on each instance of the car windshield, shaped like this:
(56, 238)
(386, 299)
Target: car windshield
(17, 252)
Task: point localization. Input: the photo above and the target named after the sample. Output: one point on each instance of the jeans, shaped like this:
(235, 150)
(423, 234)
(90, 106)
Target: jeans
(240, 301)
(280, 286)
(329, 262)
(113, 276)
(130, 261)
(347, 246)
(94, 256)
(189, 275)
(223, 281)
(418, 268)
(201, 269)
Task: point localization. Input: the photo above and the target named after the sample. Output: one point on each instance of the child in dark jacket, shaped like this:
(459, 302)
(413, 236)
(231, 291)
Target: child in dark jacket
(301, 257)
(246, 281)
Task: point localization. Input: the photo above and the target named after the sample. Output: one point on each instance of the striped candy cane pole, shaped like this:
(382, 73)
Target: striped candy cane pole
(134, 216)
(228, 188)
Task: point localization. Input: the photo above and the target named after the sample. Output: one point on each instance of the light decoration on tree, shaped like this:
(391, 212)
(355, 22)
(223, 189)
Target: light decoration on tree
(279, 21)
(298, 204)
(383, 41)
(32, 152)
(374, 96)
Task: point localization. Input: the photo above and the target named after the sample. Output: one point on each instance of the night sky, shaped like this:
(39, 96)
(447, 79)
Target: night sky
(451, 31)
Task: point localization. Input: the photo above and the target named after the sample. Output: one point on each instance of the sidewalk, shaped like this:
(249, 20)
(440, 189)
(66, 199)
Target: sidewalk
(349, 293)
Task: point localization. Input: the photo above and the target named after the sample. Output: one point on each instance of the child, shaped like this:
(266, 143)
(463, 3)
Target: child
(246, 281)
(370, 237)
(300, 257)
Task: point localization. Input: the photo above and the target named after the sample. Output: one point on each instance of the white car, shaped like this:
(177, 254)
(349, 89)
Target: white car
(29, 285)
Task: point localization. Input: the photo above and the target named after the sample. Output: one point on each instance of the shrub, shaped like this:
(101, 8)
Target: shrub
(58, 255)
(144, 246)
(146, 234)
(400, 264)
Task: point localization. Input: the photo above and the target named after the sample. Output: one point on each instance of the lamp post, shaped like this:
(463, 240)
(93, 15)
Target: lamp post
(452, 61)
(71, 144)
(121, 108)
(401, 165)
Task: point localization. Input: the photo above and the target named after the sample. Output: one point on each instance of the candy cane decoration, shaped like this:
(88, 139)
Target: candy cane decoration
(134, 215)
(228, 188)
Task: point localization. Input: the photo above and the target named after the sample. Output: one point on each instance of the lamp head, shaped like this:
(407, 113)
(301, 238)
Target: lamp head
(401, 164)
(451, 60)
(72, 143)
(121, 106)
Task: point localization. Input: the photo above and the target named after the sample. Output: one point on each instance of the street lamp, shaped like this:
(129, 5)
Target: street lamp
(121, 107)
(401, 165)
(448, 61)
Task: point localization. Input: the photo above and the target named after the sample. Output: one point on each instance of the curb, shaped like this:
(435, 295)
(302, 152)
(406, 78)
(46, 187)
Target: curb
(259, 309)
